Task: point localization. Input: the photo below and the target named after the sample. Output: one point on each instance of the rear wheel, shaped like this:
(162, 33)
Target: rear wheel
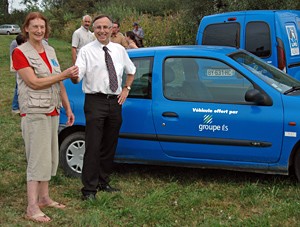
(71, 154)
(8, 33)
(297, 165)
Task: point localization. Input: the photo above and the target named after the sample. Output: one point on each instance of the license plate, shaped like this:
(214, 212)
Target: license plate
(220, 72)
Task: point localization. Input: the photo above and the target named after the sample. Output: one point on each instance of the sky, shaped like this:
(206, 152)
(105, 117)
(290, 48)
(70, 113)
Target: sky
(16, 5)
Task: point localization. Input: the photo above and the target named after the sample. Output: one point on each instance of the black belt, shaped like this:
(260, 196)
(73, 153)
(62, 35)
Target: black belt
(106, 96)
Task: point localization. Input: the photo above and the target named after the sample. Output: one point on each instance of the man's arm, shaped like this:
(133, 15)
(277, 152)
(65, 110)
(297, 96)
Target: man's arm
(75, 44)
(13, 45)
(124, 43)
(74, 55)
(38, 83)
(129, 80)
(66, 105)
(141, 33)
(75, 80)
(125, 91)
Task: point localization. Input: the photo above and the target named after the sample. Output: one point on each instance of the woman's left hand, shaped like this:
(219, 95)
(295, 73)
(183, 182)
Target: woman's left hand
(71, 118)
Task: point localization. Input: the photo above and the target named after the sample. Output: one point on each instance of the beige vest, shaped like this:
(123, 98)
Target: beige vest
(39, 101)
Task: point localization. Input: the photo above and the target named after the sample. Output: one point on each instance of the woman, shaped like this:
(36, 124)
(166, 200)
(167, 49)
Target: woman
(41, 93)
(130, 38)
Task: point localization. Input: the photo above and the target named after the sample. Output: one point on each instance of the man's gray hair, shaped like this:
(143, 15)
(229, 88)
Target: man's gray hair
(86, 16)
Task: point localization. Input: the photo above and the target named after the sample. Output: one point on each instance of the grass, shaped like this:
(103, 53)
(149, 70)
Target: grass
(151, 195)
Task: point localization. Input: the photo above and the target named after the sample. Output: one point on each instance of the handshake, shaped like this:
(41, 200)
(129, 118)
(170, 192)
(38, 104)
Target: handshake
(72, 73)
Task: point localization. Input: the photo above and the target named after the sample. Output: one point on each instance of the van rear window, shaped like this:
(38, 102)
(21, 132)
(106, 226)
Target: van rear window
(258, 40)
(224, 34)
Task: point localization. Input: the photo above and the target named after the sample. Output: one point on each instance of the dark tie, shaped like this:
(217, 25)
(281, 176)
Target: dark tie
(113, 80)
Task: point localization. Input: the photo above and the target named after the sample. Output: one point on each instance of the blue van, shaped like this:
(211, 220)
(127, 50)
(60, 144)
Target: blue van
(272, 35)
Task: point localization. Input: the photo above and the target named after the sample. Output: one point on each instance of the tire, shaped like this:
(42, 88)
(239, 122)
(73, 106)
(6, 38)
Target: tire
(297, 165)
(8, 33)
(71, 152)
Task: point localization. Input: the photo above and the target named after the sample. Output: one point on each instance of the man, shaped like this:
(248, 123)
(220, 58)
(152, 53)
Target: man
(81, 36)
(139, 34)
(117, 36)
(104, 97)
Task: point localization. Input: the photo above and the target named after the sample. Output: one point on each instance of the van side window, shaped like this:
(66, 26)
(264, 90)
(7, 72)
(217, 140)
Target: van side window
(141, 87)
(258, 40)
(203, 80)
(225, 34)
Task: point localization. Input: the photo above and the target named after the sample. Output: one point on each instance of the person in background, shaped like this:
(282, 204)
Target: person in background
(131, 40)
(41, 94)
(20, 39)
(82, 36)
(117, 36)
(104, 96)
(139, 34)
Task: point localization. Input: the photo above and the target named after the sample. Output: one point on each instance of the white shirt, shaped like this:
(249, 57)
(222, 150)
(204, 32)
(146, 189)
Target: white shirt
(81, 37)
(92, 67)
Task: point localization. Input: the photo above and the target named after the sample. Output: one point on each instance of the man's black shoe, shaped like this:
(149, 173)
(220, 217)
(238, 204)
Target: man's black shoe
(88, 197)
(107, 188)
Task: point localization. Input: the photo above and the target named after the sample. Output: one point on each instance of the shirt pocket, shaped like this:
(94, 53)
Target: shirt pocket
(38, 67)
(56, 70)
(119, 69)
(37, 99)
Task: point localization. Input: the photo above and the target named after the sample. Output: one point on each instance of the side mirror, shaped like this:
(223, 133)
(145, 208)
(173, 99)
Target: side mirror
(257, 97)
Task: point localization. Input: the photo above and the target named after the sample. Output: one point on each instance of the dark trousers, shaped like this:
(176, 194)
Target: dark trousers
(103, 122)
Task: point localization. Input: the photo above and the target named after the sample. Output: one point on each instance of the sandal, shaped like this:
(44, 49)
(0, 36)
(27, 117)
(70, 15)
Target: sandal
(39, 218)
(53, 205)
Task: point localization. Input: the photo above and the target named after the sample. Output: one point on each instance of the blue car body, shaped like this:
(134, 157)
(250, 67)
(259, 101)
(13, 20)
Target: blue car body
(272, 35)
(249, 122)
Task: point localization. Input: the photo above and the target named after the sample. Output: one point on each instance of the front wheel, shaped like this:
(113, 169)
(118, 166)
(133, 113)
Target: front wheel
(297, 165)
(8, 33)
(71, 154)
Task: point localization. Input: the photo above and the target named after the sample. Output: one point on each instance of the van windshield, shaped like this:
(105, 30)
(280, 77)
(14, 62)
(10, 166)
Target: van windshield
(270, 74)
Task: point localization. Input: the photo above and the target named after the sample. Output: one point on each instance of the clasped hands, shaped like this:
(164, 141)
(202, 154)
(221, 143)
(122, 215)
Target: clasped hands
(73, 72)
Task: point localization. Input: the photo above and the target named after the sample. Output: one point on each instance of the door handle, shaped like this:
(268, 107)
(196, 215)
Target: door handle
(169, 114)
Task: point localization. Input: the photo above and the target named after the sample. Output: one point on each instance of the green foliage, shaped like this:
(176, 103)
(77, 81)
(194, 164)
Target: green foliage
(159, 30)
(236, 5)
(118, 12)
(64, 50)
(165, 22)
(78, 7)
(168, 30)
(16, 17)
(155, 7)
(4, 8)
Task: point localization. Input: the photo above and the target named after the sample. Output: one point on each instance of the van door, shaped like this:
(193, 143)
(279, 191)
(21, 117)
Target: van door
(289, 32)
(209, 119)
(260, 38)
(137, 138)
(221, 30)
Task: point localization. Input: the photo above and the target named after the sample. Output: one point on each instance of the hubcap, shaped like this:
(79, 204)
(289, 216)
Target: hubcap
(74, 155)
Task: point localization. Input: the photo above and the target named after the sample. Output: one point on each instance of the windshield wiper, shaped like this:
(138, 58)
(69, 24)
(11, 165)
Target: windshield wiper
(294, 88)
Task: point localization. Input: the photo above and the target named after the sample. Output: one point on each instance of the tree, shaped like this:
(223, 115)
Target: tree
(4, 7)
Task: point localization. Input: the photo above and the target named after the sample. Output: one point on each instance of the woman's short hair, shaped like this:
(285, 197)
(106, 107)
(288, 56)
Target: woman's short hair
(34, 15)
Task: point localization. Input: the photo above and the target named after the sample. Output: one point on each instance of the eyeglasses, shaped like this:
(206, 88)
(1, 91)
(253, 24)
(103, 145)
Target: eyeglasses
(105, 27)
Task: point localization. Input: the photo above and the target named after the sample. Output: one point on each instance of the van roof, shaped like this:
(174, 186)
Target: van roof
(182, 49)
(263, 12)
